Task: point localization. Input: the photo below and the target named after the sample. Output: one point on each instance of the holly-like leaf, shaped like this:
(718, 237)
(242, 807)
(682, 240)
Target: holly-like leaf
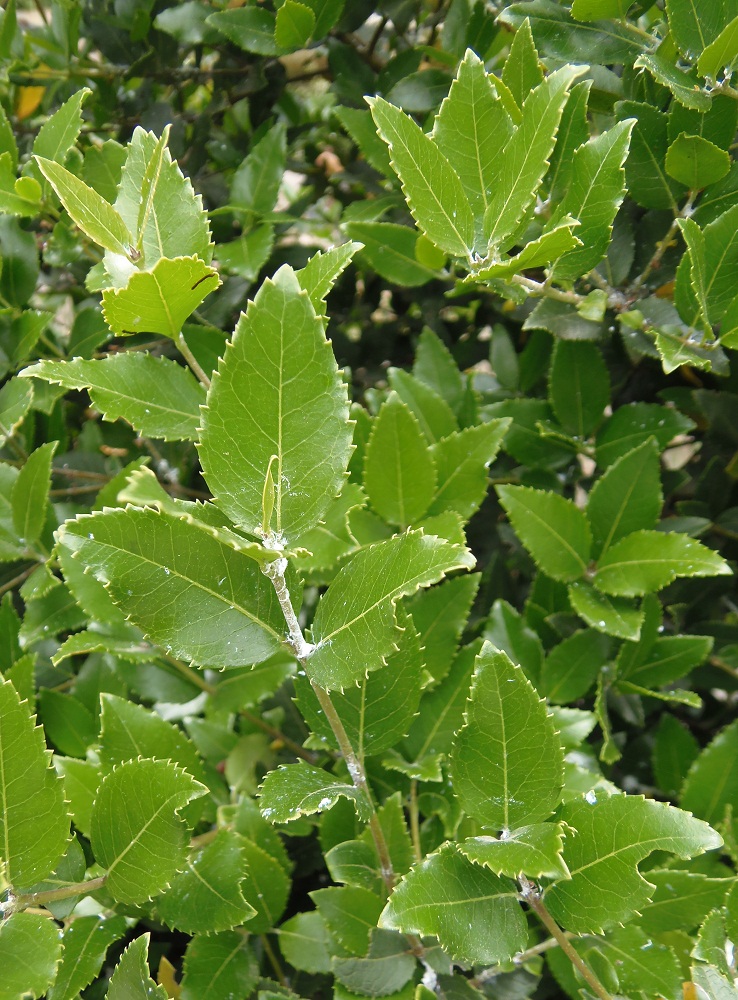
(684, 86)
(674, 750)
(462, 460)
(440, 615)
(613, 615)
(30, 494)
(470, 128)
(385, 969)
(159, 300)
(206, 897)
(378, 711)
(631, 425)
(627, 498)
(85, 941)
(523, 164)
(30, 949)
(704, 292)
(435, 366)
(350, 913)
(255, 184)
(322, 271)
(572, 666)
(696, 162)
(301, 790)
(721, 53)
(277, 394)
(646, 561)
(553, 529)
(433, 413)
(615, 833)
(34, 825)
(399, 471)
(218, 966)
(158, 397)
(642, 963)
(185, 588)
(507, 764)
(266, 886)
(431, 186)
(354, 627)
(304, 942)
(390, 250)
(595, 193)
(474, 914)
(131, 979)
(142, 854)
(294, 25)
(579, 386)
(158, 204)
(59, 133)
(694, 28)
(712, 781)
(533, 851)
(95, 217)
(645, 171)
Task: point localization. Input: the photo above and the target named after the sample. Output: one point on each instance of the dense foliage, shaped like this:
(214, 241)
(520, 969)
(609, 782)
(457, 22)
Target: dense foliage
(402, 663)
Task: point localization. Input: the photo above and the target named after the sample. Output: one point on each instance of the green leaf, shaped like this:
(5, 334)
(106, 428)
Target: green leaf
(30, 494)
(440, 615)
(277, 392)
(646, 561)
(721, 53)
(682, 900)
(252, 29)
(143, 854)
(595, 193)
(386, 968)
(255, 184)
(631, 425)
(645, 172)
(131, 979)
(294, 25)
(523, 164)
(696, 162)
(549, 246)
(506, 763)
(557, 35)
(159, 300)
(669, 659)
(674, 751)
(613, 615)
(683, 86)
(711, 985)
(615, 833)
(247, 255)
(350, 913)
(266, 886)
(206, 897)
(626, 498)
(85, 941)
(462, 460)
(507, 630)
(18, 196)
(378, 711)
(712, 781)
(301, 790)
(643, 964)
(710, 261)
(129, 731)
(59, 132)
(573, 665)
(693, 27)
(389, 250)
(399, 472)
(532, 850)
(304, 942)
(522, 71)
(435, 366)
(322, 271)
(470, 128)
(219, 966)
(579, 386)
(30, 792)
(442, 710)
(158, 204)
(594, 10)
(15, 401)
(30, 949)
(330, 540)
(70, 726)
(432, 411)
(158, 397)
(431, 186)
(554, 530)
(354, 627)
(95, 217)
(474, 914)
(187, 590)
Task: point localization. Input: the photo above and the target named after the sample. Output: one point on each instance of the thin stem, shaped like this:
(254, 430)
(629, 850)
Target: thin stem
(532, 897)
(663, 245)
(272, 956)
(414, 820)
(17, 579)
(277, 734)
(188, 672)
(358, 776)
(547, 291)
(191, 360)
(302, 649)
(22, 902)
